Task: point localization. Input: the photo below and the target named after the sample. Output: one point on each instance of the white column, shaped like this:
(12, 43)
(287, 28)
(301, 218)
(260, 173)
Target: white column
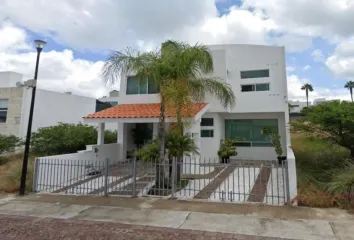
(120, 141)
(155, 130)
(100, 133)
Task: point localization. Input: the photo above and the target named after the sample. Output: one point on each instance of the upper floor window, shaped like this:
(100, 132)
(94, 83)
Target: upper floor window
(3, 110)
(255, 87)
(255, 74)
(207, 122)
(145, 87)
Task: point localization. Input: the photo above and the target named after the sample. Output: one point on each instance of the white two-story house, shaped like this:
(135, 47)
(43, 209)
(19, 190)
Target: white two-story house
(257, 75)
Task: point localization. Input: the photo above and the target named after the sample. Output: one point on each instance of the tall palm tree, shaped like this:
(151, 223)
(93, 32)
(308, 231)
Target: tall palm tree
(193, 66)
(350, 85)
(308, 88)
(172, 68)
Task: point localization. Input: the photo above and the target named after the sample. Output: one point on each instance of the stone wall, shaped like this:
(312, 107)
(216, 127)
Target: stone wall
(14, 95)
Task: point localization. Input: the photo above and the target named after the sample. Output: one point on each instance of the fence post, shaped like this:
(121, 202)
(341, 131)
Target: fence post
(287, 179)
(134, 177)
(35, 175)
(106, 176)
(173, 176)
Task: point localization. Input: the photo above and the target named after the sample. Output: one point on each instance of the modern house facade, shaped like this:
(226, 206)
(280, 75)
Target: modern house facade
(257, 75)
(50, 107)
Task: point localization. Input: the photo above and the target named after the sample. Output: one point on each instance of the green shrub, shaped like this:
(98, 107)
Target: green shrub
(8, 143)
(66, 138)
(323, 173)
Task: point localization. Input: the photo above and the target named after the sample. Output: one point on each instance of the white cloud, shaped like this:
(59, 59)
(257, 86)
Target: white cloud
(290, 68)
(341, 63)
(307, 67)
(115, 24)
(59, 70)
(329, 18)
(11, 38)
(318, 55)
(293, 43)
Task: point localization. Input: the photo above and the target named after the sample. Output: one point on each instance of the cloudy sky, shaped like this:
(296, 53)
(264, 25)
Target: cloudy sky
(318, 36)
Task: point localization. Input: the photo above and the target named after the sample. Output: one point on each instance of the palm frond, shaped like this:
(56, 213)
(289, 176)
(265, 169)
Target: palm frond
(222, 91)
(128, 61)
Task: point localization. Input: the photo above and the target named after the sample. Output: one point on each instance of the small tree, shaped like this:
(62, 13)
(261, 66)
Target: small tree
(275, 139)
(66, 138)
(227, 149)
(350, 85)
(9, 143)
(308, 88)
(331, 121)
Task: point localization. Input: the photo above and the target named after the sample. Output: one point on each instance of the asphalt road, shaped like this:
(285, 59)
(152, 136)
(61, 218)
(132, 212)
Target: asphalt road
(31, 228)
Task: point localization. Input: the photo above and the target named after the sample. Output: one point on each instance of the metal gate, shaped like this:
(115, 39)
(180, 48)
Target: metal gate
(238, 181)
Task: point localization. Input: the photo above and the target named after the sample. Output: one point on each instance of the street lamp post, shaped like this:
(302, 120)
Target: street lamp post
(40, 45)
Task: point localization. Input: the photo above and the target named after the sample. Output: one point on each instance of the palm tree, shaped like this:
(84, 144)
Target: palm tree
(307, 87)
(175, 65)
(350, 85)
(190, 81)
(179, 145)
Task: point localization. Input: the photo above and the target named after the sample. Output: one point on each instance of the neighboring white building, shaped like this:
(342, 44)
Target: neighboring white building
(112, 98)
(257, 75)
(321, 100)
(297, 106)
(50, 107)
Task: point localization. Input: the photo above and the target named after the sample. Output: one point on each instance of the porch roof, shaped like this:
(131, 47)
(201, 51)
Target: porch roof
(151, 110)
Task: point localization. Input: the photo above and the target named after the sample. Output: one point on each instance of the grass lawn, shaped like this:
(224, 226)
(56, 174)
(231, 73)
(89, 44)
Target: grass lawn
(10, 173)
(318, 166)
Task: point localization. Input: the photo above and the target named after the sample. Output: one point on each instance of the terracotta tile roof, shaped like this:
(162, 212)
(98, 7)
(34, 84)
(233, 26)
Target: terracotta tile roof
(144, 111)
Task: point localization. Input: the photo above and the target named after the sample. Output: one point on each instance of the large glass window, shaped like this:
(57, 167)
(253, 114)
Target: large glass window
(3, 110)
(255, 74)
(144, 87)
(248, 132)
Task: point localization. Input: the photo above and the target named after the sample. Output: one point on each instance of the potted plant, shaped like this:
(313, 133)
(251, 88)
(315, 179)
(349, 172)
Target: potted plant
(275, 140)
(227, 149)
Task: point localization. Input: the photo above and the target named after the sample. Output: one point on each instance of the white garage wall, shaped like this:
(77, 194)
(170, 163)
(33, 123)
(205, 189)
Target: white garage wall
(53, 107)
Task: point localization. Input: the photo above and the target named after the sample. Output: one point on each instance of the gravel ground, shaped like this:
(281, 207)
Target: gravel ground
(30, 228)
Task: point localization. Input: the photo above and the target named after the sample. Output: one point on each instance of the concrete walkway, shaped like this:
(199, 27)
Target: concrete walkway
(253, 220)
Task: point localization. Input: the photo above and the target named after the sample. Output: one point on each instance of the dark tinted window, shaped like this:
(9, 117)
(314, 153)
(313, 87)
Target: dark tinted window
(207, 122)
(207, 133)
(247, 88)
(255, 74)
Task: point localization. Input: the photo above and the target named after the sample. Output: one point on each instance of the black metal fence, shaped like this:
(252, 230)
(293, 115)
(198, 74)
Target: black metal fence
(238, 181)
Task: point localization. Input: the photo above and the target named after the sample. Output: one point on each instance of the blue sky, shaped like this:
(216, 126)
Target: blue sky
(81, 33)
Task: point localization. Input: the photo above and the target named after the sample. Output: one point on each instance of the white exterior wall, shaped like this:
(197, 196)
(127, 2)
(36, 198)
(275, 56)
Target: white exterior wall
(300, 105)
(9, 79)
(52, 107)
(230, 60)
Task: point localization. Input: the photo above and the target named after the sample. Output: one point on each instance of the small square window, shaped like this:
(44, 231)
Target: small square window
(207, 133)
(207, 122)
(247, 88)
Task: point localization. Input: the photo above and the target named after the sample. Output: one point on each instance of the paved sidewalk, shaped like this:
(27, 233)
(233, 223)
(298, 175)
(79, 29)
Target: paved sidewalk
(30, 228)
(180, 220)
